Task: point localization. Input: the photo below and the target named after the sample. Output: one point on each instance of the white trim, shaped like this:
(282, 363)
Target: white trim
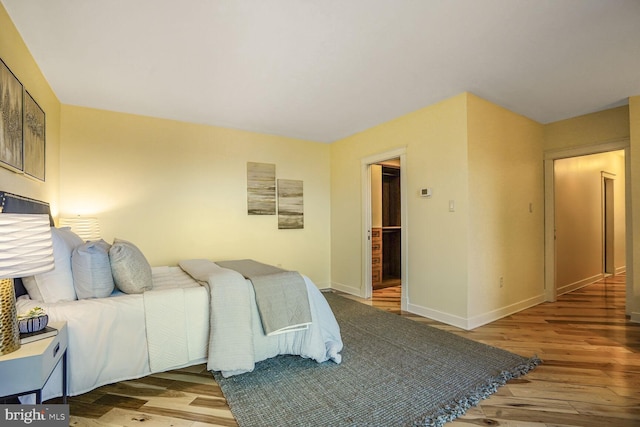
(345, 288)
(579, 284)
(365, 164)
(366, 287)
(492, 316)
(439, 316)
(549, 212)
(476, 321)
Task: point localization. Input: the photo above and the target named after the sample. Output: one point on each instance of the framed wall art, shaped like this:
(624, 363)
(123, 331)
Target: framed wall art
(261, 188)
(290, 204)
(34, 138)
(11, 100)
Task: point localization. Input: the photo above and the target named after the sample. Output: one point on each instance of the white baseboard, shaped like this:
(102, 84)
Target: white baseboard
(439, 316)
(351, 290)
(476, 321)
(579, 284)
(621, 270)
(494, 315)
(635, 317)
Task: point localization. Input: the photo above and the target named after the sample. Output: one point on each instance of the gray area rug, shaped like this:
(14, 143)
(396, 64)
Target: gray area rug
(394, 372)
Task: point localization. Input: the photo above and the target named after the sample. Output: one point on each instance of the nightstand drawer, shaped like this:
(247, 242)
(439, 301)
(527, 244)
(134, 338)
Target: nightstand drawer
(28, 368)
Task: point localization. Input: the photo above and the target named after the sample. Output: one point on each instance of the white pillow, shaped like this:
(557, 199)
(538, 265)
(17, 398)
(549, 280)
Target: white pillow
(91, 270)
(131, 270)
(57, 284)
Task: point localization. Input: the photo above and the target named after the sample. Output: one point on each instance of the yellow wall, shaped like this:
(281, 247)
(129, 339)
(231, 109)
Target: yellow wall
(435, 141)
(16, 56)
(621, 124)
(633, 270)
(595, 128)
(179, 190)
(506, 214)
(485, 159)
(579, 217)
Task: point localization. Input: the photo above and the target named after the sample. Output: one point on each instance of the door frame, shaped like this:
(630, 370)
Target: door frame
(608, 227)
(366, 162)
(550, 156)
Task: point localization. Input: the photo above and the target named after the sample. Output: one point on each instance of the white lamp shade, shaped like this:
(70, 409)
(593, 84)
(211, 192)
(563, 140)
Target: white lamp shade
(26, 247)
(86, 228)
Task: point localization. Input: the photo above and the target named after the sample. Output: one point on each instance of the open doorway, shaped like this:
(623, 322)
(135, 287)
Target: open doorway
(587, 217)
(386, 225)
(384, 219)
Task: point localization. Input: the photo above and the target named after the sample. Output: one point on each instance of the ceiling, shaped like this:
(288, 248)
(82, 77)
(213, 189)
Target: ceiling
(326, 69)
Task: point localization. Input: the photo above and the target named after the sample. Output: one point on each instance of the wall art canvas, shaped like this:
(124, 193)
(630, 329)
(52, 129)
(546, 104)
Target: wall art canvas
(290, 204)
(34, 138)
(261, 188)
(10, 119)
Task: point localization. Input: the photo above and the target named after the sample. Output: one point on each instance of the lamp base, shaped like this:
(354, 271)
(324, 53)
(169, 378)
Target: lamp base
(9, 332)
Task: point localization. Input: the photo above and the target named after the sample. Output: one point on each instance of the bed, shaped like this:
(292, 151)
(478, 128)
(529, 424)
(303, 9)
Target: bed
(193, 313)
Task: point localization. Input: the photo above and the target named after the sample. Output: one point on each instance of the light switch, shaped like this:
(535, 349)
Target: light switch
(452, 206)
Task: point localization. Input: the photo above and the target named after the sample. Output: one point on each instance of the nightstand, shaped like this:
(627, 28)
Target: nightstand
(28, 369)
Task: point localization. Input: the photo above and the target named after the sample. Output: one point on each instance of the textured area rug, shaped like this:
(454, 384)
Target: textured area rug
(394, 372)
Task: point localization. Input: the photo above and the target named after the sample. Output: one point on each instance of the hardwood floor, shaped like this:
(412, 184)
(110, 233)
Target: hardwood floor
(589, 376)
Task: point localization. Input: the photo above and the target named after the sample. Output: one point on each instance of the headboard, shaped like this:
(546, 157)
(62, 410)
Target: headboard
(13, 203)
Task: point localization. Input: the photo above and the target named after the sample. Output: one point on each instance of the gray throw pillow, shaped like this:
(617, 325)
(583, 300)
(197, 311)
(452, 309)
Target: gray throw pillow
(130, 269)
(91, 270)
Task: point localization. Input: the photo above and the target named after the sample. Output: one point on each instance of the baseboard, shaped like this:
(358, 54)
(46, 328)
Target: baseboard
(351, 290)
(621, 270)
(579, 284)
(497, 314)
(635, 317)
(476, 321)
(449, 319)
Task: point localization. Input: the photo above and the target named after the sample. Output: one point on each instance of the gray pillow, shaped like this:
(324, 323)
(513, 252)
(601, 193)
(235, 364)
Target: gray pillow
(130, 269)
(91, 270)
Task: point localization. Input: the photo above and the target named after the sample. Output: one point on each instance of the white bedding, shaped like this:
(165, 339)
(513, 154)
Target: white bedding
(108, 336)
(237, 340)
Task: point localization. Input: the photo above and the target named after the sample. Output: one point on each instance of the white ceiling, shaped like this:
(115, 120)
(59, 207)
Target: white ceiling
(322, 70)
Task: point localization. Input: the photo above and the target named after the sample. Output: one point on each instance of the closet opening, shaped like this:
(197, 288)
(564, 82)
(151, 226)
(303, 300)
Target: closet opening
(385, 229)
(386, 226)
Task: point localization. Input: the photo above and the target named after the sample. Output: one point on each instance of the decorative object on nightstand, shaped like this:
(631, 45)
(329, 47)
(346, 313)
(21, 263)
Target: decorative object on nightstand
(87, 228)
(26, 249)
(32, 321)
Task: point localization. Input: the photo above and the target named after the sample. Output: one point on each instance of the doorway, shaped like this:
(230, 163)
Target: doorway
(385, 226)
(612, 199)
(608, 223)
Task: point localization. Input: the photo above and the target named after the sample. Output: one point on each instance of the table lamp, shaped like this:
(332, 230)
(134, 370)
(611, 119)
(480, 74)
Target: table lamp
(26, 249)
(87, 228)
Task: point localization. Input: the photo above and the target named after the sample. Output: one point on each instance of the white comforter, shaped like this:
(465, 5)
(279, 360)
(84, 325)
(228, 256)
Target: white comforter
(113, 339)
(108, 336)
(237, 340)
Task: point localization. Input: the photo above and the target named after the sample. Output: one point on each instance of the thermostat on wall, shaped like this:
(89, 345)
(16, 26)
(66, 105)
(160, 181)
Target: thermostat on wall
(425, 192)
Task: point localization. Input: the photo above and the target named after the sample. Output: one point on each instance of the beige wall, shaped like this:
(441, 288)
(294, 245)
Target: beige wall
(579, 217)
(485, 159)
(178, 190)
(506, 215)
(589, 129)
(633, 268)
(16, 56)
(435, 141)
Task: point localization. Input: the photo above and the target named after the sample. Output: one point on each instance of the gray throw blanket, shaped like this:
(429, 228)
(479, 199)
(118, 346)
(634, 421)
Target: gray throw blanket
(281, 295)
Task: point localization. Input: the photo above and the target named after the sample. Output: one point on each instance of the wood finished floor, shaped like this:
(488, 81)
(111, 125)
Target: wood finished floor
(589, 377)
